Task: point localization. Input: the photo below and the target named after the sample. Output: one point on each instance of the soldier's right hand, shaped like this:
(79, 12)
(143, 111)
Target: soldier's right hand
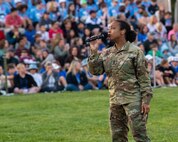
(94, 46)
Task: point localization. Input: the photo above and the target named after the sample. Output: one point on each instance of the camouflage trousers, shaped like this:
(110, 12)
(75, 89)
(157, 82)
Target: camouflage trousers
(121, 115)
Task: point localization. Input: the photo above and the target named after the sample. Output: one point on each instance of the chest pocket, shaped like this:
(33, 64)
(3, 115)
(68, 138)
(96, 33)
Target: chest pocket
(128, 65)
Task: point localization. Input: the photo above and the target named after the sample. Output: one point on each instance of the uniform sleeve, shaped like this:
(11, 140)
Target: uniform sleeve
(95, 64)
(143, 77)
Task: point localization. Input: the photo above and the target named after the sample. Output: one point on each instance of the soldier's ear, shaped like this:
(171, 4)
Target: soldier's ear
(123, 32)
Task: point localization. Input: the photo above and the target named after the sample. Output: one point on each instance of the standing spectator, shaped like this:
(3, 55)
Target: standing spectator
(23, 82)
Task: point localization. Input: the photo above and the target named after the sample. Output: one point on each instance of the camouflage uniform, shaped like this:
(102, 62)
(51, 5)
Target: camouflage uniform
(129, 86)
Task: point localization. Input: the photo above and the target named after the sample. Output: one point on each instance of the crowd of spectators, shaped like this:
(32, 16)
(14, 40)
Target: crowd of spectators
(44, 42)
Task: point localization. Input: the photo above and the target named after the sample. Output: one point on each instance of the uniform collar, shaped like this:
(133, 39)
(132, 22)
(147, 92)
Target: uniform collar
(125, 47)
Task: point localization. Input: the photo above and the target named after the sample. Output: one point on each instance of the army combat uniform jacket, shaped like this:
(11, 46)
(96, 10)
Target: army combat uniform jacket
(126, 68)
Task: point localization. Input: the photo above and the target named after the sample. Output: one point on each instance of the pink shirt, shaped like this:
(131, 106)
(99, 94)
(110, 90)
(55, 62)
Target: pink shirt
(172, 32)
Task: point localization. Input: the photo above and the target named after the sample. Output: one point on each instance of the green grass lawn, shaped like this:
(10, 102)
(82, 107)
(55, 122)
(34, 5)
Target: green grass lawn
(79, 117)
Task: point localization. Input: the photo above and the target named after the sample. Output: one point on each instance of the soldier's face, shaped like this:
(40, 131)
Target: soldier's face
(114, 31)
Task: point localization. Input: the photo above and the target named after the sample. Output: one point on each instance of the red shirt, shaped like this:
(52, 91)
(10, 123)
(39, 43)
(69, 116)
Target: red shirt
(52, 33)
(15, 21)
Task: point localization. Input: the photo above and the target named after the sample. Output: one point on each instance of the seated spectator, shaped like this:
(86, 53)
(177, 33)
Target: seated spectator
(37, 12)
(150, 40)
(30, 33)
(173, 31)
(174, 64)
(3, 82)
(55, 29)
(24, 14)
(2, 47)
(61, 51)
(173, 45)
(13, 19)
(21, 47)
(23, 82)
(11, 57)
(77, 79)
(167, 21)
(52, 9)
(157, 74)
(45, 20)
(11, 72)
(44, 34)
(92, 21)
(33, 70)
(50, 78)
(13, 36)
(61, 73)
(154, 48)
(47, 56)
(25, 56)
(168, 73)
(74, 54)
(113, 9)
(97, 82)
(142, 34)
(160, 31)
(152, 23)
(83, 11)
(153, 7)
(67, 26)
(62, 9)
(3, 12)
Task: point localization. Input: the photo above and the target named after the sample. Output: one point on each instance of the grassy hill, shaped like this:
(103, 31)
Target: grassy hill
(79, 117)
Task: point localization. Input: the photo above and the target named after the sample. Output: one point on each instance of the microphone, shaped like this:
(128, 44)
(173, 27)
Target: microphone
(101, 36)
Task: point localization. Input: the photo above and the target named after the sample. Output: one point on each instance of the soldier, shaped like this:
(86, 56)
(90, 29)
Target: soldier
(128, 82)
